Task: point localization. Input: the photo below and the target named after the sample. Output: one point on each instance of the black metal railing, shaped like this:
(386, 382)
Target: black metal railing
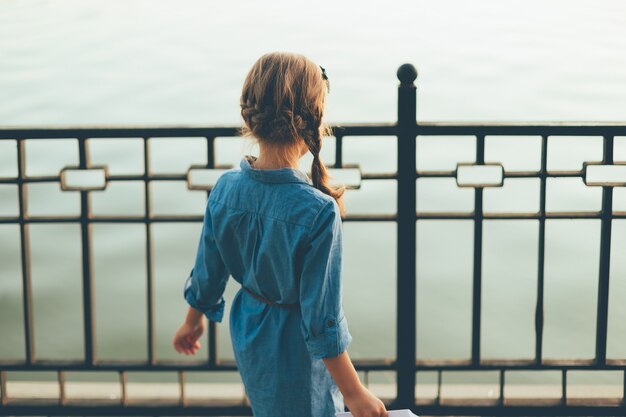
(406, 362)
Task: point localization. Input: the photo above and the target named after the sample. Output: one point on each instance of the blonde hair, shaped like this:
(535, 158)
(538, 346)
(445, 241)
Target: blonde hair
(282, 101)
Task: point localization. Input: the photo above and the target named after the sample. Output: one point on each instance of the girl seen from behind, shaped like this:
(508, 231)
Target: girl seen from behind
(278, 233)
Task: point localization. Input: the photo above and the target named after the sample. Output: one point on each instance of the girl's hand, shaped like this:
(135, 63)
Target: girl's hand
(365, 404)
(186, 338)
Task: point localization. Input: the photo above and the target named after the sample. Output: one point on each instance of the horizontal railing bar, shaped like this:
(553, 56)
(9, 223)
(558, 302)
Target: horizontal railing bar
(491, 407)
(370, 218)
(100, 365)
(348, 218)
(162, 365)
(348, 129)
(383, 365)
(512, 216)
(499, 363)
(470, 407)
(507, 174)
(228, 362)
(105, 132)
(161, 177)
(379, 176)
(366, 129)
(364, 176)
(522, 128)
(538, 174)
(163, 219)
(135, 408)
(369, 367)
(506, 363)
(370, 363)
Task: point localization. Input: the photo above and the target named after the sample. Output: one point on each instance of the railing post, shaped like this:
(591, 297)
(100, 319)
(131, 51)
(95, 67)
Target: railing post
(88, 291)
(406, 238)
(605, 258)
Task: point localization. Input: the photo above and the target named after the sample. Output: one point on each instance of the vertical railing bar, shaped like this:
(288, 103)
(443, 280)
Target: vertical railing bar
(605, 258)
(338, 150)
(27, 304)
(181, 388)
(149, 252)
(210, 157)
(541, 252)
(477, 273)
(212, 333)
(4, 397)
(502, 382)
(415, 389)
(406, 246)
(85, 213)
(624, 389)
(438, 398)
(564, 386)
(123, 393)
(61, 381)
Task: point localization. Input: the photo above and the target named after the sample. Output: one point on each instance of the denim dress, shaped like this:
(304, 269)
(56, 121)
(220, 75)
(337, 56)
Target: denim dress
(281, 239)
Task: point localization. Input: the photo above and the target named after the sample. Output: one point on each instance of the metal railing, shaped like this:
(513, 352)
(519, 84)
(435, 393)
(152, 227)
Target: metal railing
(406, 363)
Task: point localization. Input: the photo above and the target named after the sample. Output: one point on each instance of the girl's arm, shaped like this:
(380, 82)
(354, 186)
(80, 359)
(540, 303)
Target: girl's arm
(203, 290)
(193, 316)
(359, 400)
(186, 338)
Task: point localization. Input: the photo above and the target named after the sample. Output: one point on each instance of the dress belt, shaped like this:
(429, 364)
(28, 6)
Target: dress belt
(266, 301)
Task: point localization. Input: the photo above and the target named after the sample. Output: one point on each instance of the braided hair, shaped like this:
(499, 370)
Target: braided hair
(282, 102)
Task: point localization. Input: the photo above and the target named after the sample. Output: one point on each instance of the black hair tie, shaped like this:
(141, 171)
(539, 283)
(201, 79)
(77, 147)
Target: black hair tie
(324, 73)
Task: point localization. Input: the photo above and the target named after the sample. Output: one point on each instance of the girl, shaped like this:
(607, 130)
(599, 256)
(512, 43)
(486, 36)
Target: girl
(279, 234)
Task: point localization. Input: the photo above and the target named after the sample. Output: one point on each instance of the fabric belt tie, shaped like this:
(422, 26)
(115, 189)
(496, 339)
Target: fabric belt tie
(266, 301)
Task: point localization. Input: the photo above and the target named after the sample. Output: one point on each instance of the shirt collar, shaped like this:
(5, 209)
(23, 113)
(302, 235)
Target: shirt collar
(279, 175)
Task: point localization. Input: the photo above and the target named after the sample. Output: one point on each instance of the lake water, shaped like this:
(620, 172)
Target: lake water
(147, 63)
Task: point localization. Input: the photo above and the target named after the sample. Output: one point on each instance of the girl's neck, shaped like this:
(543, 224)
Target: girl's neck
(265, 161)
(272, 158)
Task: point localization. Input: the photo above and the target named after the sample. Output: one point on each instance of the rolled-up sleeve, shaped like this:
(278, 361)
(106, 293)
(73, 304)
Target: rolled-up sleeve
(324, 325)
(205, 285)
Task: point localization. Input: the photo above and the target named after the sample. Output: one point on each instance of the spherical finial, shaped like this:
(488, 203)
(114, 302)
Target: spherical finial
(407, 73)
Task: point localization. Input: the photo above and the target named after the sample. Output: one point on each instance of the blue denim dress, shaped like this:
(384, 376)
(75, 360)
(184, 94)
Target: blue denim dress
(281, 238)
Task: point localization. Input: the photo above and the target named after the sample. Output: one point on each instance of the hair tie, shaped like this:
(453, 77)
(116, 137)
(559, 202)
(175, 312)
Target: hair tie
(324, 73)
(325, 77)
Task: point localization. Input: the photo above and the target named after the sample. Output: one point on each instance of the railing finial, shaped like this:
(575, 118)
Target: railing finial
(407, 73)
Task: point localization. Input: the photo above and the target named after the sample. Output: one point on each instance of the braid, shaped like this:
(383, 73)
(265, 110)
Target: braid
(272, 124)
(282, 103)
(319, 173)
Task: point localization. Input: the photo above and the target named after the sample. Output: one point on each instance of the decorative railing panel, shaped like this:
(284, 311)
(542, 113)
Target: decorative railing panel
(478, 176)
